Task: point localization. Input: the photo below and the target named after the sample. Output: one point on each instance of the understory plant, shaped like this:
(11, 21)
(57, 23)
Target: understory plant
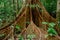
(29, 37)
(51, 31)
(2, 35)
(18, 29)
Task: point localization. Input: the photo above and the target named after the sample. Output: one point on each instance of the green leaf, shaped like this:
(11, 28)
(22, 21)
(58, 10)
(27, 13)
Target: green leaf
(52, 31)
(21, 37)
(17, 27)
(31, 36)
(52, 24)
(1, 35)
(44, 22)
(28, 39)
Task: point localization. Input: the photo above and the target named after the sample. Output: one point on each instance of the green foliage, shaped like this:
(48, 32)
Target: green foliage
(44, 22)
(49, 24)
(20, 2)
(51, 6)
(17, 29)
(2, 35)
(21, 37)
(8, 10)
(29, 37)
(51, 31)
(52, 25)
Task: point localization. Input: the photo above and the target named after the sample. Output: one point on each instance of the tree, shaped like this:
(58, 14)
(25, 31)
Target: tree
(58, 15)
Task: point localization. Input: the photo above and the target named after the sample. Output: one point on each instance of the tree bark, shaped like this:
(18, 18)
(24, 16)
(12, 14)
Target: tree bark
(58, 15)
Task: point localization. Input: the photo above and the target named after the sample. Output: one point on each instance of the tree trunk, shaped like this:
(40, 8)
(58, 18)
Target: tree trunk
(58, 11)
(58, 14)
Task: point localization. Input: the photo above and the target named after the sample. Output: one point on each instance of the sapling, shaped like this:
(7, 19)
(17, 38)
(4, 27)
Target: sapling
(51, 31)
